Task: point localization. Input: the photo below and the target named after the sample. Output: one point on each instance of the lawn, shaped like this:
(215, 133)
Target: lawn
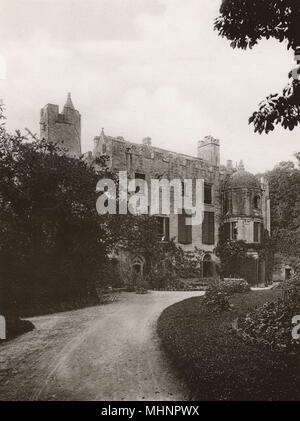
(216, 363)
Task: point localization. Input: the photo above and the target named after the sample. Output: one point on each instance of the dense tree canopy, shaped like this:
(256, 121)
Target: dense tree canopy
(284, 182)
(245, 23)
(53, 243)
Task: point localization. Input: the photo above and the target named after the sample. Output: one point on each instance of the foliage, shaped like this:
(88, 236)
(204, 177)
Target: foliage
(216, 363)
(230, 286)
(237, 263)
(142, 285)
(173, 264)
(109, 274)
(245, 23)
(231, 254)
(218, 292)
(271, 324)
(284, 182)
(216, 300)
(53, 243)
(126, 274)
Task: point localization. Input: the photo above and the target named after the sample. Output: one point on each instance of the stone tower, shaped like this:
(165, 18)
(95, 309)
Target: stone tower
(62, 128)
(209, 150)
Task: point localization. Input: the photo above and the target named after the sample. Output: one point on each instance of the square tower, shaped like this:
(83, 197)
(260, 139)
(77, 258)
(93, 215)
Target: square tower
(62, 128)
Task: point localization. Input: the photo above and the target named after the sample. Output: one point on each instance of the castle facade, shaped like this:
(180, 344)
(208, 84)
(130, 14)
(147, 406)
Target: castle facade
(233, 197)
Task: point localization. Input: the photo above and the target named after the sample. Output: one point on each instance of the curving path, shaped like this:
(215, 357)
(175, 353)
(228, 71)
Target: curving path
(108, 352)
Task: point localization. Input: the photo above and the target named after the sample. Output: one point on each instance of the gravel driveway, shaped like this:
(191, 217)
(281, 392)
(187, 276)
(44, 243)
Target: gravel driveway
(108, 352)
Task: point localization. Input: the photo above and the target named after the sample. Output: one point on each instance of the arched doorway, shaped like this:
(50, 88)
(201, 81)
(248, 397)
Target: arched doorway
(207, 266)
(138, 265)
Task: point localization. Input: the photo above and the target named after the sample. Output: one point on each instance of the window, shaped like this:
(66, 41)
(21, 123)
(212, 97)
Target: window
(184, 231)
(226, 203)
(208, 228)
(207, 194)
(207, 267)
(227, 231)
(256, 233)
(139, 176)
(256, 202)
(163, 229)
(233, 231)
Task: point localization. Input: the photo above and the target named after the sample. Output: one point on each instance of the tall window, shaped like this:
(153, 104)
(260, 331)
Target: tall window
(184, 231)
(207, 266)
(139, 176)
(163, 229)
(208, 228)
(256, 202)
(256, 232)
(226, 203)
(207, 194)
(234, 231)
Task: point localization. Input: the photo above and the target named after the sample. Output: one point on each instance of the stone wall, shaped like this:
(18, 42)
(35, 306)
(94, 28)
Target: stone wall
(157, 163)
(62, 128)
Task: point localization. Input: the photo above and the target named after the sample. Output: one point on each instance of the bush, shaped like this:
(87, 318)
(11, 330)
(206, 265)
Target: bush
(233, 286)
(163, 277)
(217, 293)
(217, 364)
(142, 286)
(217, 300)
(271, 323)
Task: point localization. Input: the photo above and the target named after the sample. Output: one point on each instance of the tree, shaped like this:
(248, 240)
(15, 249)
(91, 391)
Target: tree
(53, 243)
(284, 182)
(245, 23)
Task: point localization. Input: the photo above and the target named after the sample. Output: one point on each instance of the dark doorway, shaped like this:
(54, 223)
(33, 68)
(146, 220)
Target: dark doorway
(288, 273)
(207, 267)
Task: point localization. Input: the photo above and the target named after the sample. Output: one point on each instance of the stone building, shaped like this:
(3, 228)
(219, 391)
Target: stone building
(232, 196)
(63, 128)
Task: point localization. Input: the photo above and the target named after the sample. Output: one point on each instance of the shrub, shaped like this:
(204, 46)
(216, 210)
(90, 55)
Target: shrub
(110, 274)
(233, 286)
(218, 365)
(216, 300)
(142, 286)
(163, 277)
(271, 324)
(217, 293)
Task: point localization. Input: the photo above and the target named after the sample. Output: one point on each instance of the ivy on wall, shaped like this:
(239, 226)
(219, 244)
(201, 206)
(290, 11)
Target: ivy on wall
(235, 261)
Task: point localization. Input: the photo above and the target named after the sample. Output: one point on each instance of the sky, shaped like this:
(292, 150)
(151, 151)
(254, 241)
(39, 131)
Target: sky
(142, 68)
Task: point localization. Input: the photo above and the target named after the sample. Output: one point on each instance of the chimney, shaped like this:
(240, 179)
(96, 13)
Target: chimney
(147, 141)
(209, 150)
(241, 166)
(229, 165)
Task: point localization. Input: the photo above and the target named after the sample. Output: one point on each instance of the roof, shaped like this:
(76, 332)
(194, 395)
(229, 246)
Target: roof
(242, 179)
(69, 103)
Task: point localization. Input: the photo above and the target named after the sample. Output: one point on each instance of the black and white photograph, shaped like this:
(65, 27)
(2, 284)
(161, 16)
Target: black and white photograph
(149, 203)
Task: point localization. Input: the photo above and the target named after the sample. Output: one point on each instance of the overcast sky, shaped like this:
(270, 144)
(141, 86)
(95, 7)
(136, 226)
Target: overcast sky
(142, 68)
